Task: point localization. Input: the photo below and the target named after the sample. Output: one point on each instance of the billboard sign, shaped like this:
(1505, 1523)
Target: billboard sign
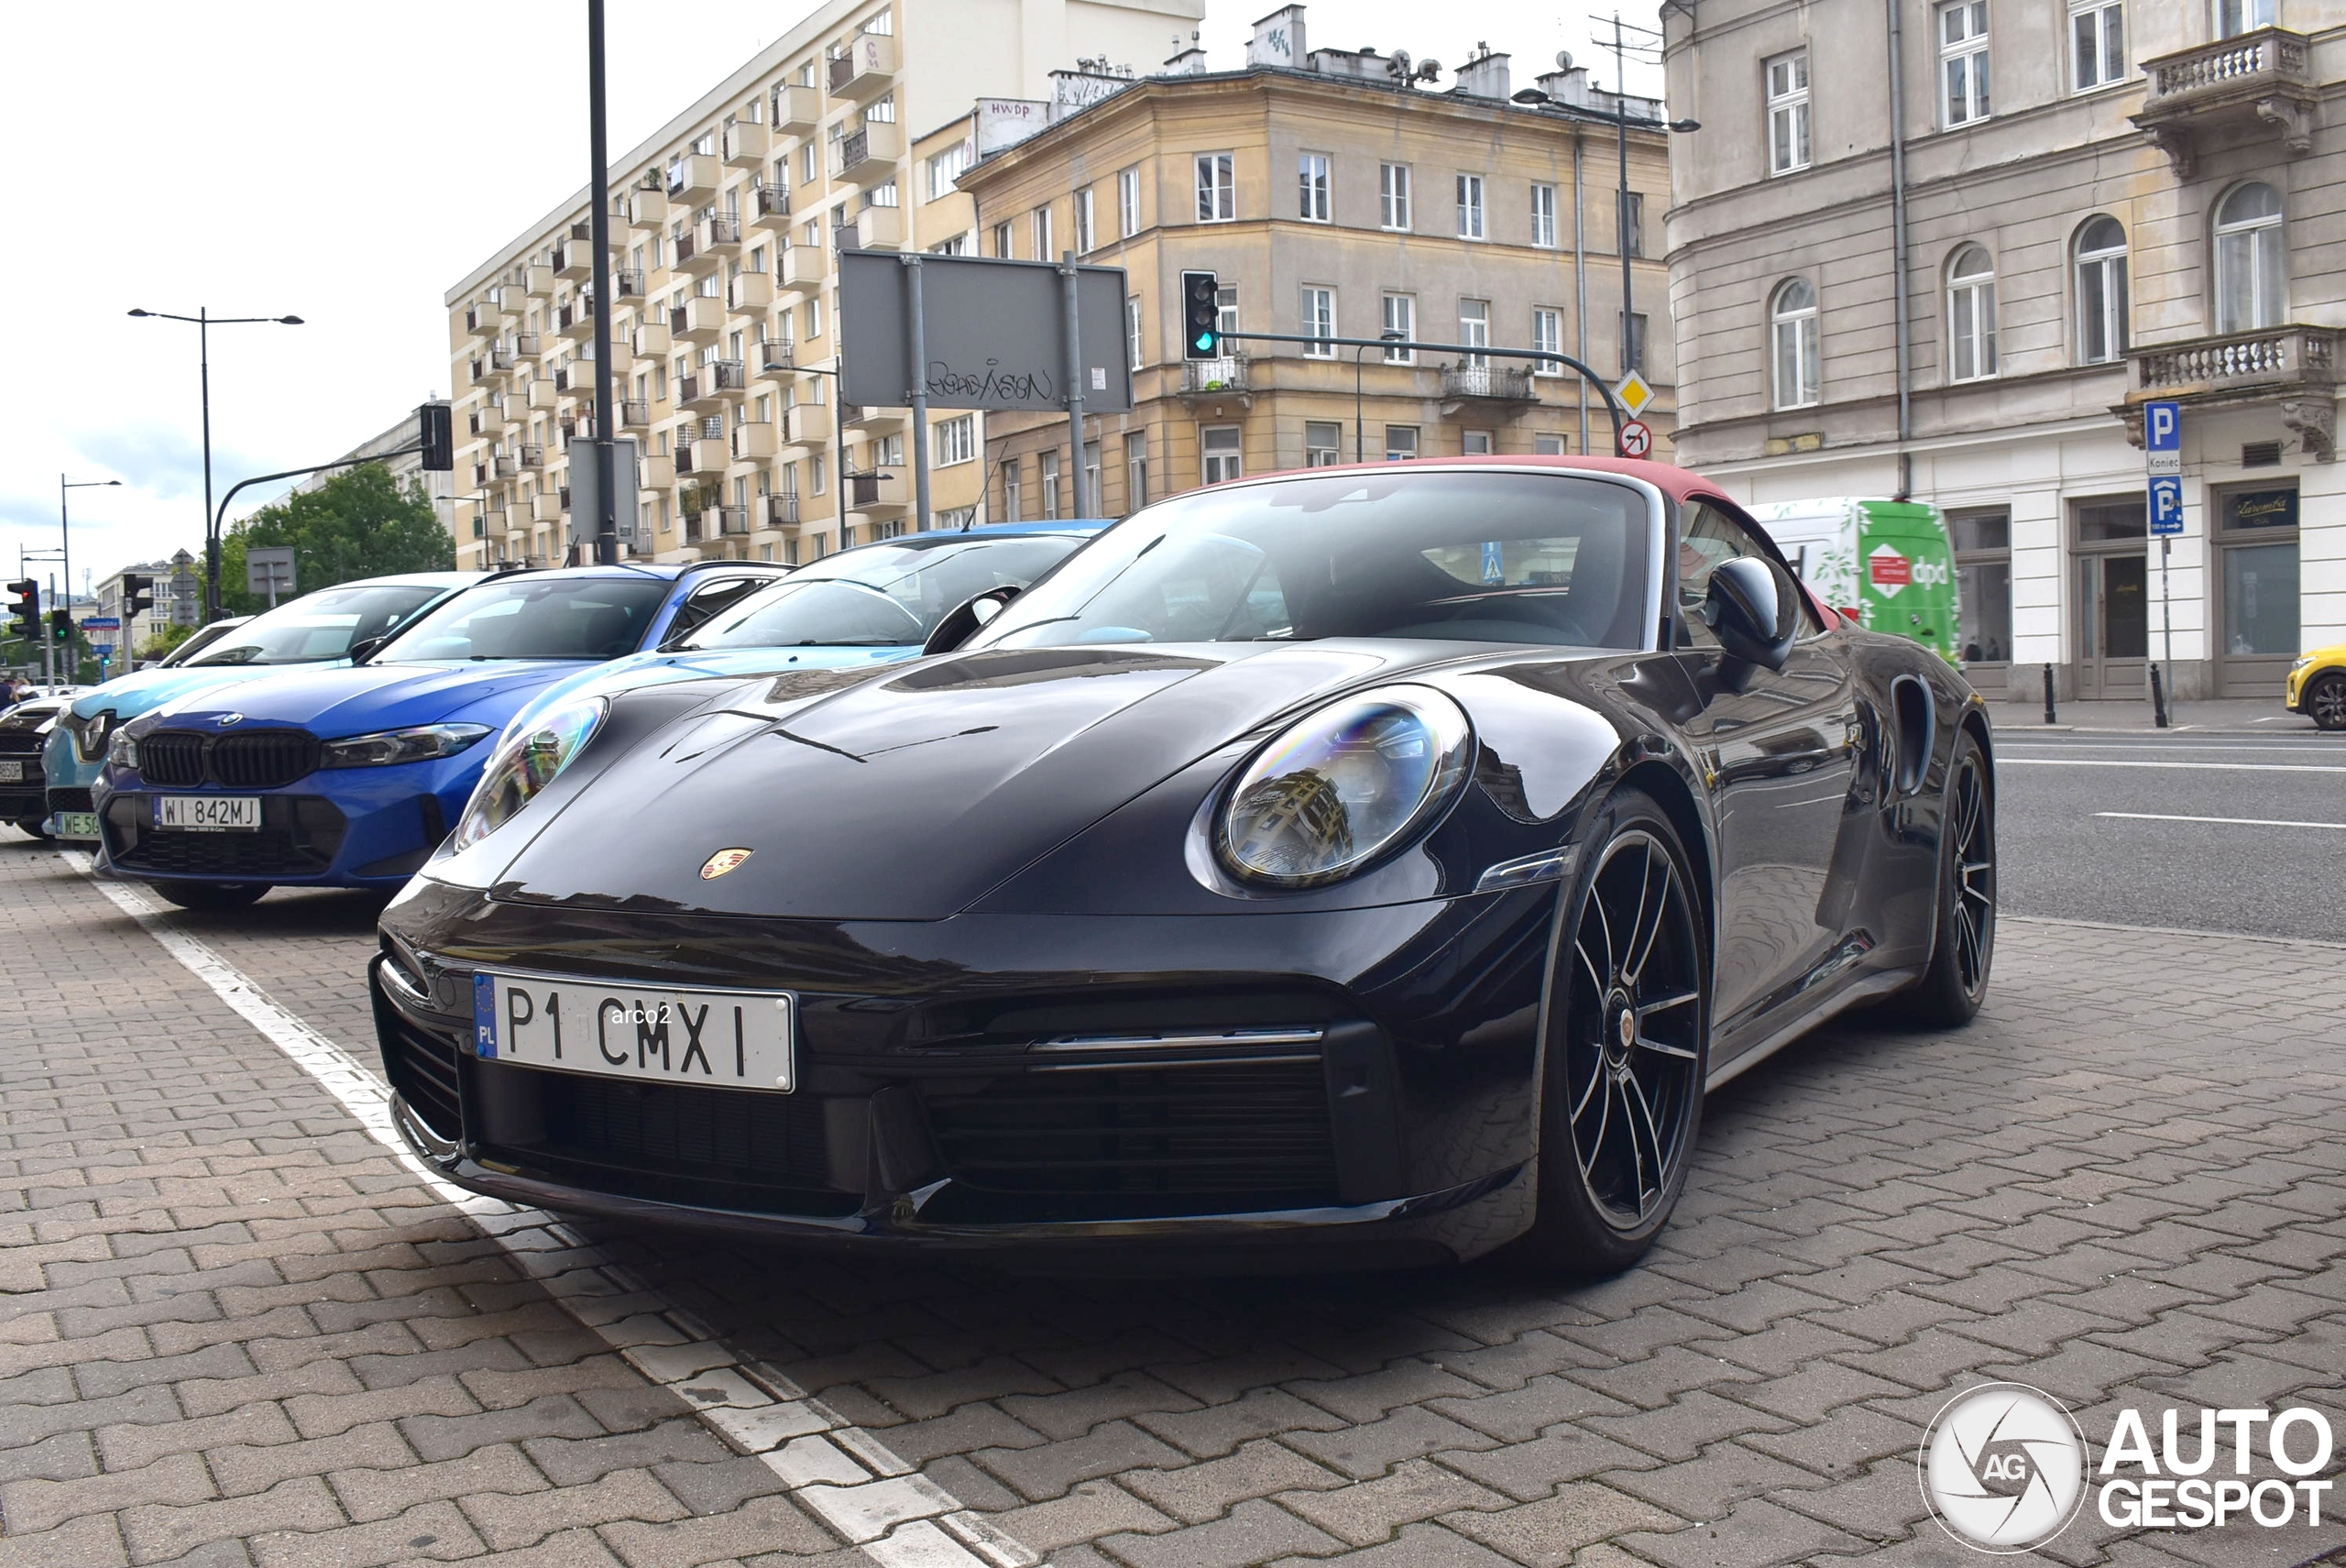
(993, 333)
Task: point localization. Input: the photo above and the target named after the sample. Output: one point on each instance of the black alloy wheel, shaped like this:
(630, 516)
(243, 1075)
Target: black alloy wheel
(1628, 1021)
(1963, 952)
(2325, 700)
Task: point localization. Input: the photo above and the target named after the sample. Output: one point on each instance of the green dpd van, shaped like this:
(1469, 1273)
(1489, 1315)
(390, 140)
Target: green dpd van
(1886, 564)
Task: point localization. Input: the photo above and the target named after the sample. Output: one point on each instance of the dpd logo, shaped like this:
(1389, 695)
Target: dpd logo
(2003, 1467)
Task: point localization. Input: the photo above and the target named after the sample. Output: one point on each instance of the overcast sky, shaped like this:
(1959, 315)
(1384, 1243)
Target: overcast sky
(346, 163)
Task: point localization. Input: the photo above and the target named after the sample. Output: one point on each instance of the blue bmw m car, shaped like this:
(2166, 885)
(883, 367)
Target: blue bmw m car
(350, 777)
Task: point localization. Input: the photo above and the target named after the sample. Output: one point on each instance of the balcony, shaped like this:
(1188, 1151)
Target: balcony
(547, 507)
(1202, 377)
(635, 413)
(776, 357)
(482, 319)
(864, 500)
(504, 466)
(769, 209)
(875, 228)
(720, 234)
(489, 418)
(685, 255)
(744, 144)
(807, 425)
(796, 110)
(1487, 383)
(749, 292)
(871, 418)
(627, 283)
(2215, 91)
(733, 519)
(536, 282)
(574, 261)
(651, 341)
(576, 319)
(647, 209)
(562, 381)
(866, 69)
(753, 443)
(800, 269)
(705, 452)
(699, 320)
(531, 454)
(691, 179)
(542, 394)
(869, 154)
(2295, 366)
(655, 471)
(782, 511)
(712, 387)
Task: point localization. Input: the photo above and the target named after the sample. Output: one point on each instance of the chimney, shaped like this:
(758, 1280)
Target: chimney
(1568, 84)
(1188, 62)
(1278, 39)
(1484, 76)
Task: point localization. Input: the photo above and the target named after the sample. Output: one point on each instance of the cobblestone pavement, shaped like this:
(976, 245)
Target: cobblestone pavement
(234, 1330)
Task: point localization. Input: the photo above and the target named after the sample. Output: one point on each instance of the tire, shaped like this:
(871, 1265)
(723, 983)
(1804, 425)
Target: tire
(1963, 950)
(211, 895)
(2324, 700)
(1626, 1048)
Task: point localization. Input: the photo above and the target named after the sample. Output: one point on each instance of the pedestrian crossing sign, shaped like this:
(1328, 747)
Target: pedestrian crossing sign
(1634, 393)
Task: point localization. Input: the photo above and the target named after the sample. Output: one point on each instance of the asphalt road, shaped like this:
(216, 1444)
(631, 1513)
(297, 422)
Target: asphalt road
(2088, 830)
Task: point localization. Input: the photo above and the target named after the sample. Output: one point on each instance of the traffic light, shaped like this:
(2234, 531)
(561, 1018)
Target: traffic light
(24, 608)
(1200, 315)
(138, 595)
(60, 621)
(439, 444)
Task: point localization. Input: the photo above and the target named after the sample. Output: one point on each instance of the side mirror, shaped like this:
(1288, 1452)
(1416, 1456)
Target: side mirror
(366, 648)
(965, 619)
(1752, 609)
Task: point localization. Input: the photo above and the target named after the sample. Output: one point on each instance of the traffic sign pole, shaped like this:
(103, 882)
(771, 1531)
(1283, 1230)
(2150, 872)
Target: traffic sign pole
(2163, 457)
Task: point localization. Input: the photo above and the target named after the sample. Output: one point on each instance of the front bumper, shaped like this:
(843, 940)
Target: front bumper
(342, 827)
(1401, 1135)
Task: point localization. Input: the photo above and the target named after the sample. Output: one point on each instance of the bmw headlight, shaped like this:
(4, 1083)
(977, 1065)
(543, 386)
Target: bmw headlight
(123, 749)
(419, 745)
(526, 762)
(1333, 793)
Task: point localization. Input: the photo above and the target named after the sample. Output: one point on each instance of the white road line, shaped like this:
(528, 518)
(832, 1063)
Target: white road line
(2219, 767)
(2228, 821)
(850, 1479)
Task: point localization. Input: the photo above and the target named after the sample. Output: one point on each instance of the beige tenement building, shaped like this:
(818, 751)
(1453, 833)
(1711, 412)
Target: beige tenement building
(847, 131)
(1334, 195)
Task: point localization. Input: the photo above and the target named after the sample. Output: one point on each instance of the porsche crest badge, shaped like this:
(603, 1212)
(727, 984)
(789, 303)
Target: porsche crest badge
(724, 860)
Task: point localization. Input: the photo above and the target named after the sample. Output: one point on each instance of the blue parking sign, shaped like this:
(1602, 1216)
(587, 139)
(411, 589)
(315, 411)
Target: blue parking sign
(2163, 426)
(2166, 504)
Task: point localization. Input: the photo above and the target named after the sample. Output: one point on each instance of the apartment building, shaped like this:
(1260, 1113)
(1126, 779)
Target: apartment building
(393, 448)
(1952, 247)
(1335, 194)
(845, 132)
(170, 579)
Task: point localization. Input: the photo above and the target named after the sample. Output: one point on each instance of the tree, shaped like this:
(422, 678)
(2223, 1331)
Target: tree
(359, 523)
(165, 639)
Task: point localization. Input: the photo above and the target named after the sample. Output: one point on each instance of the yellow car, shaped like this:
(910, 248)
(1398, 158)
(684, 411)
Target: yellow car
(2318, 686)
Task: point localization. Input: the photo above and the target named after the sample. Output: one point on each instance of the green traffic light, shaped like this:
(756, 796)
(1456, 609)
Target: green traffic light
(1205, 342)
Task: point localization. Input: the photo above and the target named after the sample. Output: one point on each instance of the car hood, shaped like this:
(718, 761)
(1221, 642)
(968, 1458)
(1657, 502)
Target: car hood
(639, 669)
(143, 691)
(332, 704)
(907, 796)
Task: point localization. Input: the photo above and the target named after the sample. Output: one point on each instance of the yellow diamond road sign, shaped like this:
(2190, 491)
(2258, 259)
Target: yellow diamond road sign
(1634, 393)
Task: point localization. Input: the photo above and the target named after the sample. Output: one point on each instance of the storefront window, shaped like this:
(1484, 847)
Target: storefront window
(1983, 567)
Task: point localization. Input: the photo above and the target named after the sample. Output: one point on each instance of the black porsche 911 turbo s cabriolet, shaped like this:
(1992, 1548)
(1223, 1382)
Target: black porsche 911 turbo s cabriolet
(1361, 866)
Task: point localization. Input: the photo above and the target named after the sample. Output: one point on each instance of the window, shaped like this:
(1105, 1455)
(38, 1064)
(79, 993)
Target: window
(2101, 292)
(1001, 246)
(1983, 572)
(2097, 43)
(1401, 321)
(881, 195)
(1225, 301)
(1400, 442)
(1793, 342)
(1708, 537)
(1136, 471)
(1087, 233)
(1128, 202)
(1042, 230)
(814, 319)
(956, 440)
(1547, 337)
(819, 474)
(2250, 260)
(807, 165)
(1012, 488)
(1476, 444)
(1543, 216)
(959, 245)
(1475, 330)
(1550, 444)
(1311, 177)
(881, 111)
(1323, 443)
(2234, 17)
(1132, 354)
(956, 517)
(1319, 321)
(1469, 206)
(1050, 462)
(1091, 478)
(1971, 315)
(1633, 341)
(945, 168)
(1963, 61)
(1788, 112)
(1632, 236)
(1393, 195)
(1217, 188)
(1218, 450)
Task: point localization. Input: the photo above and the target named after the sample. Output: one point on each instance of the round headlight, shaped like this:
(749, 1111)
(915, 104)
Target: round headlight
(1333, 793)
(526, 762)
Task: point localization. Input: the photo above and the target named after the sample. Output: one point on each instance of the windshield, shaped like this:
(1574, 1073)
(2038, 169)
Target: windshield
(881, 596)
(529, 617)
(318, 626)
(1482, 555)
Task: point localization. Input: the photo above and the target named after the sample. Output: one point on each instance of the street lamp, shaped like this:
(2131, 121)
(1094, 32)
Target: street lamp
(65, 535)
(205, 322)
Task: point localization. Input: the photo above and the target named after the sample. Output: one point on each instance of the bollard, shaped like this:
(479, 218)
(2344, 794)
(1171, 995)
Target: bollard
(2048, 693)
(2158, 699)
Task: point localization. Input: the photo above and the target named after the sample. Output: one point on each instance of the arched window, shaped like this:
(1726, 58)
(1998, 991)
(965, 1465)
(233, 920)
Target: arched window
(2250, 269)
(2101, 291)
(1792, 319)
(1971, 315)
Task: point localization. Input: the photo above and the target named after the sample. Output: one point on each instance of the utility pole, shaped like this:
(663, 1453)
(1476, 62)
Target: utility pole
(606, 536)
(1621, 48)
